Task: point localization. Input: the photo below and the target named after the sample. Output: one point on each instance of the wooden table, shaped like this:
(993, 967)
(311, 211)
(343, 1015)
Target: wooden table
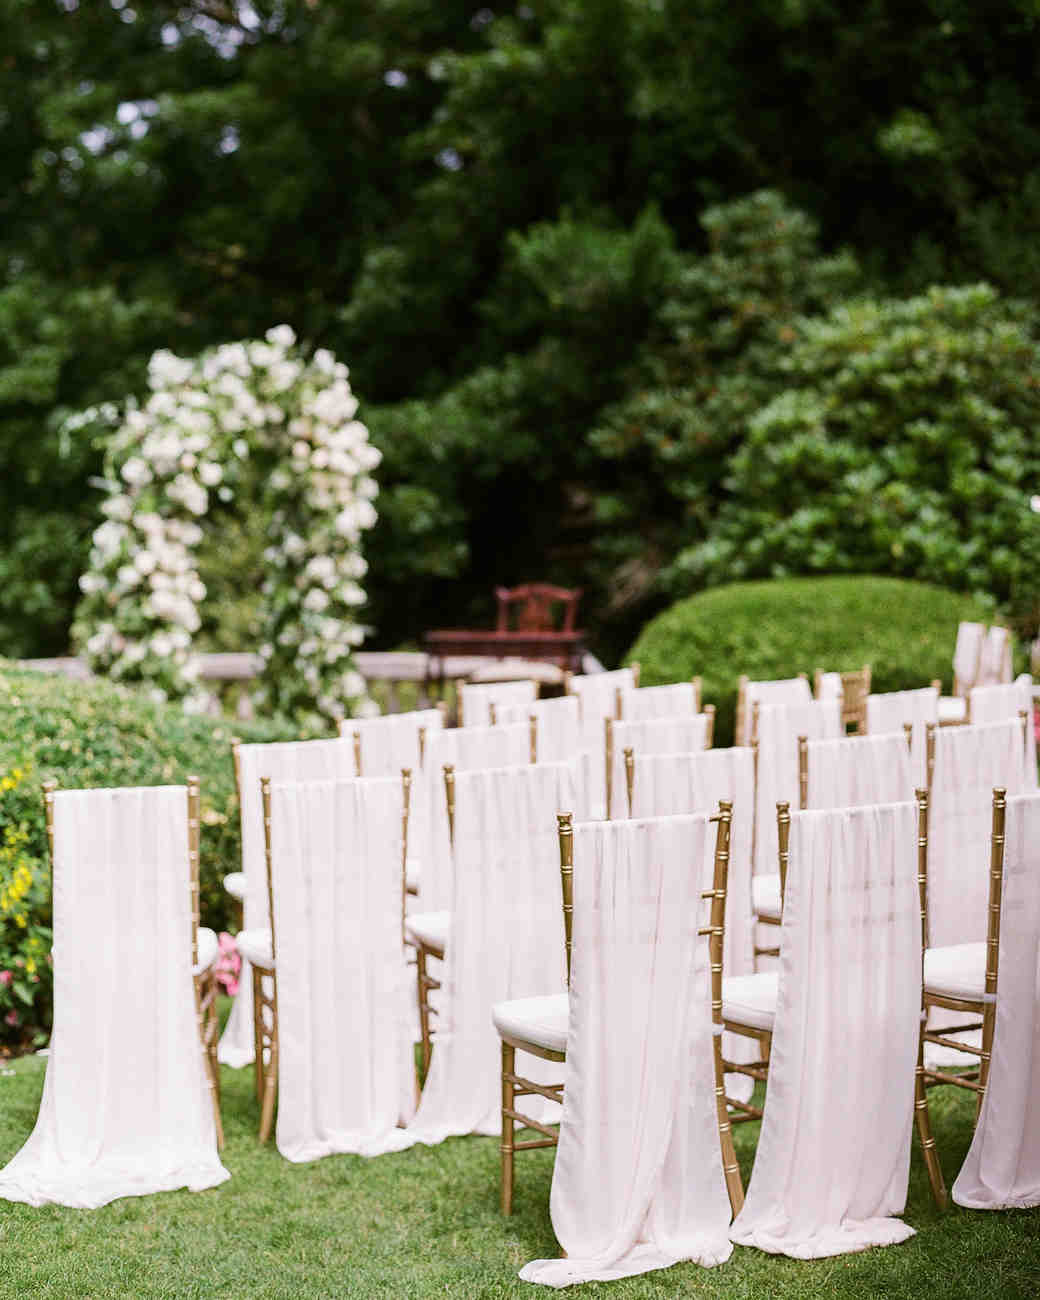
(564, 649)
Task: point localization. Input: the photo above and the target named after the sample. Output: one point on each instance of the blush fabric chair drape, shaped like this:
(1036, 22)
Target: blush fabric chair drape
(638, 1182)
(125, 1108)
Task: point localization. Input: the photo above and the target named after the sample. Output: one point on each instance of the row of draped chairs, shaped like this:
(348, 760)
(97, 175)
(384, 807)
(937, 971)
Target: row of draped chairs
(587, 882)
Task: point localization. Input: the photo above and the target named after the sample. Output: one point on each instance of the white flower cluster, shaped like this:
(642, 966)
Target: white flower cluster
(202, 420)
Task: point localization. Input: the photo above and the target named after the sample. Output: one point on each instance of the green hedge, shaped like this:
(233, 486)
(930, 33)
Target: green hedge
(904, 630)
(95, 734)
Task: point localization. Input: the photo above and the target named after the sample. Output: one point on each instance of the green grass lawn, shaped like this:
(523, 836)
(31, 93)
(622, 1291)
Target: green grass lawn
(426, 1223)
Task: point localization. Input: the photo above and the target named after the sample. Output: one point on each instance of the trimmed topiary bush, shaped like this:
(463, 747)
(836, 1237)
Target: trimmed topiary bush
(904, 630)
(95, 734)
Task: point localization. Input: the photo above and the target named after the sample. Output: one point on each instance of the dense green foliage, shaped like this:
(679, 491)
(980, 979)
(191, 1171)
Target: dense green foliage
(84, 734)
(426, 1222)
(559, 333)
(906, 442)
(904, 630)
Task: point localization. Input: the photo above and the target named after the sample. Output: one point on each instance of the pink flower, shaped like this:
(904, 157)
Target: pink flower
(5, 977)
(229, 963)
(11, 1018)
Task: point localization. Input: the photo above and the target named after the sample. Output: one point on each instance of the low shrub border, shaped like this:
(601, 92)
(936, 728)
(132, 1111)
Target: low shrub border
(904, 630)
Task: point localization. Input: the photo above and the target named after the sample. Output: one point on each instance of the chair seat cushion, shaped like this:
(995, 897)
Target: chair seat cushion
(235, 884)
(956, 971)
(255, 947)
(431, 929)
(765, 896)
(541, 1021)
(952, 708)
(750, 999)
(209, 947)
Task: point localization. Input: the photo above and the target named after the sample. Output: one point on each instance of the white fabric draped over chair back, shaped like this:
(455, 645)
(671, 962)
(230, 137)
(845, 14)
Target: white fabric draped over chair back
(597, 697)
(833, 1157)
(995, 666)
(782, 691)
(967, 655)
(1003, 701)
(476, 698)
(558, 722)
(889, 711)
(1002, 1169)
(830, 687)
(345, 1069)
(391, 742)
(669, 784)
(969, 763)
(779, 727)
(679, 734)
(506, 937)
(303, 760)
(858, 770)
(467, 749)
(644, 703)
(125, 1108)
(638, 1182)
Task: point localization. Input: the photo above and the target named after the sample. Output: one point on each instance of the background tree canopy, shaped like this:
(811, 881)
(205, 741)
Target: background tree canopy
(573, 250)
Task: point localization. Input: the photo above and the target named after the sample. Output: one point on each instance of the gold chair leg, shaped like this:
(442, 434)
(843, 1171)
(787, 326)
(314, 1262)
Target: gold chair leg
(206, 1020)
(424, 1008)
(258, 1037)
(267, 1042)
(924, 1131)
(508, 1126)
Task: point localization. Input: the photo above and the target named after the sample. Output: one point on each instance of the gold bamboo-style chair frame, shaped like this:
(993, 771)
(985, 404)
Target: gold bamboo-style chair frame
(515, 1085)
(985, 1008)
(204, 984)
(265, 1000)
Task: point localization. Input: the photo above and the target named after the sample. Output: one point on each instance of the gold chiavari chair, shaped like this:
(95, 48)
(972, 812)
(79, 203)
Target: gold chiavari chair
(262, 953)
(963, 977)
(611, 726)
(539, 1025)
(203, 963)
(495, 693)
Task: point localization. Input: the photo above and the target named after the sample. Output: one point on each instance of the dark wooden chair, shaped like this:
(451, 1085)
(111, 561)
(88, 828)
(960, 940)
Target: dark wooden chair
(537, 607)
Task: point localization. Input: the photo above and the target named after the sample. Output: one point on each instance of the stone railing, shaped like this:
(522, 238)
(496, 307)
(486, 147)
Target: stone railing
(386, 671)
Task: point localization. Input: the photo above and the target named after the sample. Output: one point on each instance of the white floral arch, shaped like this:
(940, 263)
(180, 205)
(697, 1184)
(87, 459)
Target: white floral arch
(204, 420)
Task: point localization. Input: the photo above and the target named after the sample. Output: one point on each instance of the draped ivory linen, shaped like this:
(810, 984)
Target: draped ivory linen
(833, 1158)
(858, 770)
(669, 784)
(391, 742)
(643, 703)
(506, 939)
(597, 696)
(125, 1109)
(558, 722)
(679, 734)
(346, 1076)
(967, 655)
(1008, 700)
(969, 763)
(1002, 1168)
(638, 1181)
(467, 749)
(779, 727)
(830, 687)
(888, 712)
(475, 699)
(303, 760)
(995, 660)
(783, 691)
